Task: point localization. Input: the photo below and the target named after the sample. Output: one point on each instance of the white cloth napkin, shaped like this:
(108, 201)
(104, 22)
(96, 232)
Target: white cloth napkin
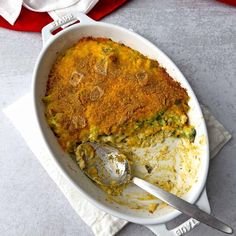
(102, 224)
(10, 9)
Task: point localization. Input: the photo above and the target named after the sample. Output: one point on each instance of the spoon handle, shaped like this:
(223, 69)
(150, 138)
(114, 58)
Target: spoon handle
(183, 206)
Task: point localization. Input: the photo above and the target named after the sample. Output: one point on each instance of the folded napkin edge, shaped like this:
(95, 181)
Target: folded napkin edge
(10, 17)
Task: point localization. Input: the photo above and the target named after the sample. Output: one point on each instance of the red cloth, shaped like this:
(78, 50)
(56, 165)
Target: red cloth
(35, 21)
(230, 2)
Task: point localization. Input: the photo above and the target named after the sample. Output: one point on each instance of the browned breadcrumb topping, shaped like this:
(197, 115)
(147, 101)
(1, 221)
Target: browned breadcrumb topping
(100, 84)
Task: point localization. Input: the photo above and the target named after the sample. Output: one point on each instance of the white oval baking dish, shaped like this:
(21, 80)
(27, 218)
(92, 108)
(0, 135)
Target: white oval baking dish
(53, 44)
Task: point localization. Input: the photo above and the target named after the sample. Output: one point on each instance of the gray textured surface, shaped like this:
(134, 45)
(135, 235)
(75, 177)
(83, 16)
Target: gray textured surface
(200, 37)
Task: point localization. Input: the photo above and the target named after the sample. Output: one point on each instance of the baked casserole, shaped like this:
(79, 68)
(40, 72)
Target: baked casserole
(103, 91)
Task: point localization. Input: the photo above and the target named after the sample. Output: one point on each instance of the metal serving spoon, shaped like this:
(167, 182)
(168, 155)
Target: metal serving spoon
(113, 169)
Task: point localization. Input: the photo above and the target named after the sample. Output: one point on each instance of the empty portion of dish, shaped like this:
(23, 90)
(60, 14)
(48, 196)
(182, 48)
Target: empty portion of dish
(102, 91)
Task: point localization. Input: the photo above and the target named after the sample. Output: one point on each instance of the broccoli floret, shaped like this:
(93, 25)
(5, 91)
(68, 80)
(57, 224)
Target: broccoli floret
(190, 133)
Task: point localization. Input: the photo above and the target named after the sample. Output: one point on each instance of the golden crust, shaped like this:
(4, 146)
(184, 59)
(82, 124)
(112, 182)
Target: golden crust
(100, 83)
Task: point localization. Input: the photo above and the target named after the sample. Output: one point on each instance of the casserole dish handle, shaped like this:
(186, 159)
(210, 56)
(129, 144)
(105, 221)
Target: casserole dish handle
(187, 226)
(64, 21)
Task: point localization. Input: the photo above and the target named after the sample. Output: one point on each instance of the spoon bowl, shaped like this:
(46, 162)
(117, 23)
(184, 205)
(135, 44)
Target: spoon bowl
(104, 164)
